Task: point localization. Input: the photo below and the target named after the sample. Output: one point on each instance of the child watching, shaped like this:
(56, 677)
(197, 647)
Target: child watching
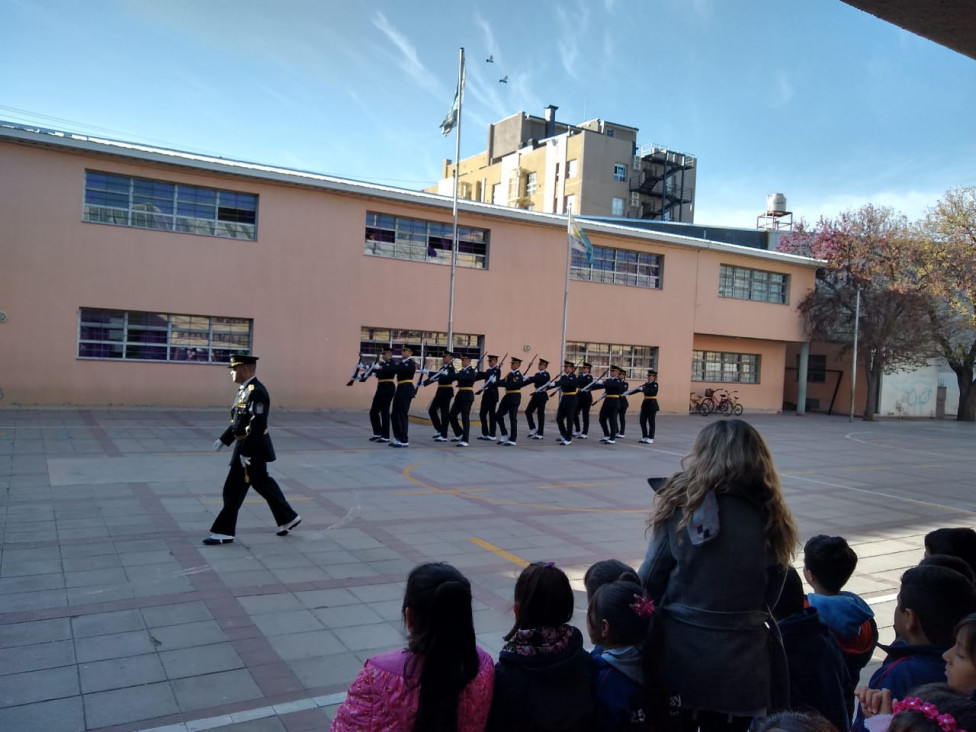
(961, 658)
(604, 572)
(947, 560)
(828, 562)
(543, 675)
(930, 602)
(442, 680)
(630, 693)
(818, 672)
(956, 541)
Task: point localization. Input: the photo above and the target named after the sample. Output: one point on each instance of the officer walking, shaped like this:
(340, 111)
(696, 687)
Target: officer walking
(584, 400)
(649, 406)
(489, 397)
(537, 402)
(568, 385)
(253, 450)
(510, 403)
(379, 413)
(440, 406)
(463, 400)
(404, 394)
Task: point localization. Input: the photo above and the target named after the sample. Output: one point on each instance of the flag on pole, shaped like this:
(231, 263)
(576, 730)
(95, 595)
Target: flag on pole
(452, 117)
(578, 240)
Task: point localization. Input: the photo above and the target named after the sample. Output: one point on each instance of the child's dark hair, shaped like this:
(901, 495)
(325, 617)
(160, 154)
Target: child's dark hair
(792, 598)
(543, 598)
(794, 721)
(604, 572)
(947, 701)
(831, 560)
(957, 541)
(947, 560)
(967, 629)
(441, 636)
(940, 598)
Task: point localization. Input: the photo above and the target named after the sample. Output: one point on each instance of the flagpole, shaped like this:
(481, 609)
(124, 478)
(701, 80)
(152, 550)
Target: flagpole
(457, 171)
(569, 259)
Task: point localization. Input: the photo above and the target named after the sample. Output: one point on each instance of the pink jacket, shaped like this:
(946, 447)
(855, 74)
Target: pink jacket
(379, 700)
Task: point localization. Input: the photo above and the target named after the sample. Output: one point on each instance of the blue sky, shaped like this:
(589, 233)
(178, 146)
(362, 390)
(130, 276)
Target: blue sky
(814, 99)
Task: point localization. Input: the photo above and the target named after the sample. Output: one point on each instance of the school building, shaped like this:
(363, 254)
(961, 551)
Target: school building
(131, 273)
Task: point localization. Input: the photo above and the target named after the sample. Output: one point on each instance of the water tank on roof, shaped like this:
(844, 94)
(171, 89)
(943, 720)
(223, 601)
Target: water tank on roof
(776, 204)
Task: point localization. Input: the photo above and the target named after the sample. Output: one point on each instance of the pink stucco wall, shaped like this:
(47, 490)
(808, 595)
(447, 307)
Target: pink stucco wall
(309, 288)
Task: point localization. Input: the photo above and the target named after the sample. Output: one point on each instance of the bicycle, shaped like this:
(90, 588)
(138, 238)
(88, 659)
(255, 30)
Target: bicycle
(729, 404)
(694, 400)
(709, 403)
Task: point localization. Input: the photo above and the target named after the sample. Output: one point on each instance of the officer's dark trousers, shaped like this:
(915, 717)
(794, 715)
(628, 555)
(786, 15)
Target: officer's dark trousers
(509, 408)
(581, 421)
(537, 407)
(608, 417)
(489, 402)
(564, 415)
(648, 414)
(400, 411)
(440, 409)
(462, 408)
(239, 479)
(379, 412)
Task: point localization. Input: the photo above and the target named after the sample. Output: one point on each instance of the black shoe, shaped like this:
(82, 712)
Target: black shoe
(216, 540)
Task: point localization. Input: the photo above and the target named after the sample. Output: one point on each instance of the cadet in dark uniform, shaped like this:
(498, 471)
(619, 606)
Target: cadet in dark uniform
(623, 405)
(613, 387)
(489, 399)
(401, 399)
(379, 413)
(463, 400)
(584, 400)
(440, 406)
(510, 403)
(537, 402)
(649, 407)
(568, 384)
(248, 432)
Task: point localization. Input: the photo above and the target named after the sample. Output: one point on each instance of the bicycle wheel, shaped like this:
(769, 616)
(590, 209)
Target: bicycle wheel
(704, 408)
(725, 407)
(737, 410)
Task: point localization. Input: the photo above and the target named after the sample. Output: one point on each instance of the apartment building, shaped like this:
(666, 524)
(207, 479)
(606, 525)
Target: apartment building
(596, 168)
(131, 273)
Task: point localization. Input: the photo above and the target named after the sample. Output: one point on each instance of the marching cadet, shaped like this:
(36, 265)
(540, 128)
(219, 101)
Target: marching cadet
(379, 413)
(649, 406)
(440, 406)
(510, 402)
(253, 450)
(463, 400)
(568, 384)
(584, 400)
(489, 399)
(613, 387)
(404, 394)
(624, 405)
(537, 402)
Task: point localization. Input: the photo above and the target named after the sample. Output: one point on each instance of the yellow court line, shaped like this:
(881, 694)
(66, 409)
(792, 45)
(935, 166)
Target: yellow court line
(257, 500)
(499, 551)
(454, 492)
(572, 485)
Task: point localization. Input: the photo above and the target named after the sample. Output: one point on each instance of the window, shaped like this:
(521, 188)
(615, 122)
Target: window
(617, 206)
(570, 203)
(753, 284)
(424, 241)
(572, 168)
(136, 336)
(428, 346)
(816, 369)
(531, 183)
(152, 204)
(619, 172)
(724, 368)
(619, 267)
(635, 360)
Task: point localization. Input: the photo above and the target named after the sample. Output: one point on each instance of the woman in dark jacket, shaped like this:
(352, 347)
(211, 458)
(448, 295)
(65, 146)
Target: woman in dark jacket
(543, 678)
(721, 539)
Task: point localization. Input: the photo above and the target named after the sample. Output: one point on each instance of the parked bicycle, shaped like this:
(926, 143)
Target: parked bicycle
(716, 400)
(729, 404)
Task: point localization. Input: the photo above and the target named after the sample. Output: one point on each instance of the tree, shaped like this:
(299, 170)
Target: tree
(873, 251)
(949, 264)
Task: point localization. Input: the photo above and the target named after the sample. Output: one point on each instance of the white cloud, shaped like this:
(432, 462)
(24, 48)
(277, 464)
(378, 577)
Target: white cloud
(409, 61)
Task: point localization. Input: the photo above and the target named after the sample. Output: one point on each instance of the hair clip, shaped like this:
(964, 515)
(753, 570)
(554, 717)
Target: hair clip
(548, 565)
(913, 704)
(643, 606)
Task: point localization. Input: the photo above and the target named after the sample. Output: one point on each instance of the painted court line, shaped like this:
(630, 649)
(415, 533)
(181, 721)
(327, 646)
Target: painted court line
(275, 710)
(499, 551)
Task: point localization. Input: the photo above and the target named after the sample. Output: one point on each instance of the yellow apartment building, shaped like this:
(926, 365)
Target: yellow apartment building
(131, 273)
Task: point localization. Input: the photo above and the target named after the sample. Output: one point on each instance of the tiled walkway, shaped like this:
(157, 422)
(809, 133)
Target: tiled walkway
(113, 616)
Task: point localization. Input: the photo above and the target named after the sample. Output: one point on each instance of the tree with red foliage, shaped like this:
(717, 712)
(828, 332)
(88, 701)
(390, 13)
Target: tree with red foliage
(873, 251)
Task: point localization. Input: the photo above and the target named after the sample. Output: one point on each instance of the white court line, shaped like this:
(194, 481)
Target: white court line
(260, 713)
(881, 598)
(881, 494)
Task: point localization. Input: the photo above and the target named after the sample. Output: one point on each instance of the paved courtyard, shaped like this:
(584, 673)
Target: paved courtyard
(113, 616)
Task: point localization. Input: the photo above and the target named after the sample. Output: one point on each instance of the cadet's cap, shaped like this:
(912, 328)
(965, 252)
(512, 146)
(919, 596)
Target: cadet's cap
(242, 360)
(516, 359)
(386, 349)
(543, 362)
(652, 371)
(568, 363)
(406, 346)
(587, 364)
(490, 356)
(448, 354)
(615, 368)
(465, 356)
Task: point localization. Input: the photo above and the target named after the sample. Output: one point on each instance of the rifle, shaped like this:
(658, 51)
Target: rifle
(433, 377)
(370, 370)
(552, 384)
(590, 385)
(491, 379)
(420, 376)
(355, 373)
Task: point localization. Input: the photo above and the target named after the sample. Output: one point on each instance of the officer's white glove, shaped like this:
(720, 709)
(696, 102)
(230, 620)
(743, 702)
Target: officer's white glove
(245, 461)
(217, 445)
(425, 372)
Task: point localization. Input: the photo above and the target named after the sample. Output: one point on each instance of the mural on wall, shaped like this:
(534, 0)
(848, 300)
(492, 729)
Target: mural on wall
(914, 393)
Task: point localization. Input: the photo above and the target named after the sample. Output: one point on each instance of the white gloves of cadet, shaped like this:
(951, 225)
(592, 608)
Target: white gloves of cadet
(245, 461)
(217, 445)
